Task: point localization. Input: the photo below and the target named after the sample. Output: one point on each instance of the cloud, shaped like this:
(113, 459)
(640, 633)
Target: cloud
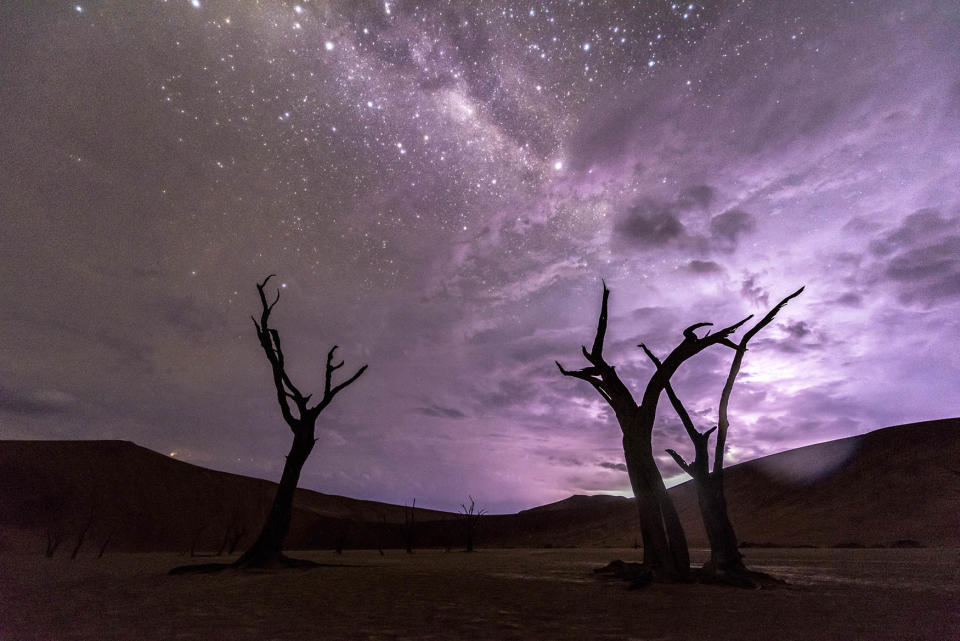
(700, 196)
(754, 292)
(650, 223)
(704, 267)
(610, 465)
(919, 259)
(726, 228)
(921, 225)
(438, 411)
(35, 403)
(797, 329)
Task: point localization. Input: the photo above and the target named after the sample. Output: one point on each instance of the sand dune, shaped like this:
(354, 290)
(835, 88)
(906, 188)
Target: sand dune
(889, 485)
(893, 484)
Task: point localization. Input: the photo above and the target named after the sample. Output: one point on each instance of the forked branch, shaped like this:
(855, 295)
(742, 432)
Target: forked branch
(700, 464)
(723, 422)
(285, 388)
(601, 375)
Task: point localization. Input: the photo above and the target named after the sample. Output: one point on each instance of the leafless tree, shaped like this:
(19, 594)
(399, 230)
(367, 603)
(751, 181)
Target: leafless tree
(664, 542)
(106, 543)
(470, 517)
(726, 563)
(409, 520)
(54, 537)
(301, 417)
(381, 532)
(81, 536)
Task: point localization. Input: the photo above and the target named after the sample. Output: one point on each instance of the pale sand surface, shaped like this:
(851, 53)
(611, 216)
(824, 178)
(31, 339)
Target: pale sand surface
(491, 594)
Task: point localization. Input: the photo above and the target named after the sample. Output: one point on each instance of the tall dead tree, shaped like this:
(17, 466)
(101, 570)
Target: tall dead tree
(726, 563)
(470, 517)
(302, 419)
(664, 542)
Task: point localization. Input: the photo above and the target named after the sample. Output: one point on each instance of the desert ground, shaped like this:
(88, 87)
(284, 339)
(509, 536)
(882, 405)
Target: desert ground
(832, 594)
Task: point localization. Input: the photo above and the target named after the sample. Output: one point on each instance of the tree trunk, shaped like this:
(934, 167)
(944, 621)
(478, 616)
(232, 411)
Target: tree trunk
(267, 550)
(664, 542)
(725, 557)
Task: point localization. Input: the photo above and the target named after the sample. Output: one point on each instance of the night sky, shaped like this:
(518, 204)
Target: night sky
(439, 188)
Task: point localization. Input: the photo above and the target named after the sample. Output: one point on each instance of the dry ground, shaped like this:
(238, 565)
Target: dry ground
(491, 594)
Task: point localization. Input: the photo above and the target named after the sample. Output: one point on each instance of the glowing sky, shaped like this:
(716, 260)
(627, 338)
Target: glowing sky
(440, 188)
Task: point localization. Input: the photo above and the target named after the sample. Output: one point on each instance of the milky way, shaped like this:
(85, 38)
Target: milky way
(440, 188)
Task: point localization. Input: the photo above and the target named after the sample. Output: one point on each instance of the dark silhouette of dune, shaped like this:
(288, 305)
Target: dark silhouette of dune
(898, 485)
(893, 485)
(146, 501)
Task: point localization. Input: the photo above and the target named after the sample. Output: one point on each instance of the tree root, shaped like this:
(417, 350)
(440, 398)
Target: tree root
(739, 577)
(279, 562)
(639, 575)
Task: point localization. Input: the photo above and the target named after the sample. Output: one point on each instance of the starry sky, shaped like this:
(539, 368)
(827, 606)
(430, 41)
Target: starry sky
(440, 187)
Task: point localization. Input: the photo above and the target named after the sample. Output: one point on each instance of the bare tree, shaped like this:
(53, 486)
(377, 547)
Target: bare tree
(81, 536)
(726, 563)
(664, 542)
(54, 538)
(470, 517)
(301, 418)
(409, 520)
(106, 543)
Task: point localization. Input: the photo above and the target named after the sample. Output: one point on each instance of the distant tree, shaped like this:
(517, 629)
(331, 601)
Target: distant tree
(726, 563)
(81, 536)
(409, 520)
(301, 418)
(381, 532)
(106, 543)
(470, 517)
(664, 542)
(54, 538)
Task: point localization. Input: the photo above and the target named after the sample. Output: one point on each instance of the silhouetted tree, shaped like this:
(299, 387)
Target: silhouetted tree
(54, 537)
(106, 543)
(726, 562)
(409, 520)
(381, 532)
(664, 542)
(301, 418)
(81, 536)
(470, 517)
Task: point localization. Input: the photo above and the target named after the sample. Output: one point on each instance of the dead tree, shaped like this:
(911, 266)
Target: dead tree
(106, 543)
(409, 520)
(81, 537)
(381, 533)
(726, 562)
(302, 419)
(54, 537)
(470, 517)
(664, 542)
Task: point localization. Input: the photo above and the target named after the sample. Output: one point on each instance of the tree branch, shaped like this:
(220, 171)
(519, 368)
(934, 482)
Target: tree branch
(700, 462)
(601, 375)
(683, 464)
(723, 423)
